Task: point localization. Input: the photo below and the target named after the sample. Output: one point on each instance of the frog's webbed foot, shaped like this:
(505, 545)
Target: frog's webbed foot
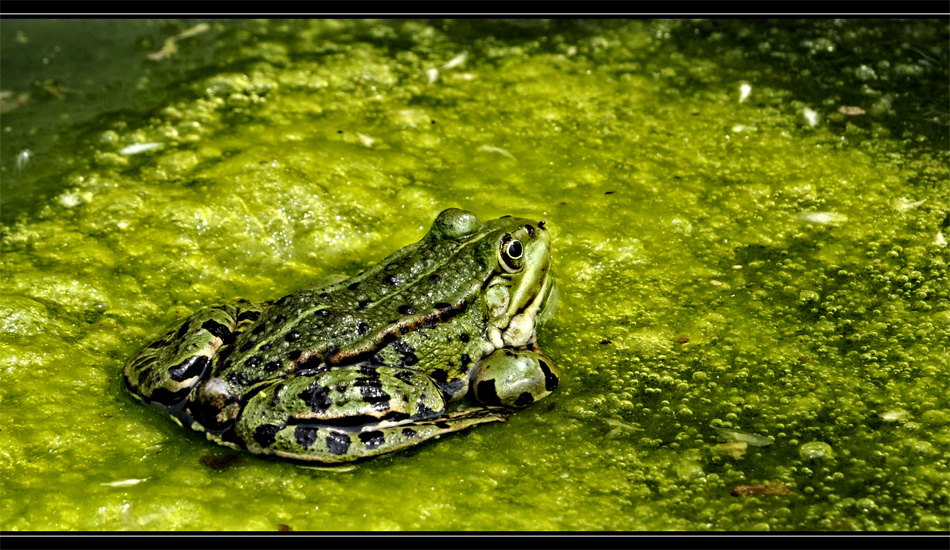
(515, 377)
(167, 370)
(349, 413)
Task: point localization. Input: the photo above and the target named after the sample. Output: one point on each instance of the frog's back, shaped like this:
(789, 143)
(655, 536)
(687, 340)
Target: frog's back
(419, 286)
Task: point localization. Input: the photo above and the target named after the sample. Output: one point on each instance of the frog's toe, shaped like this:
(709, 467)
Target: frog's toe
(165, 372)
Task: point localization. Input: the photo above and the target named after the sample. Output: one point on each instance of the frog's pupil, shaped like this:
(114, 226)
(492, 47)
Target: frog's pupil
(515, 250)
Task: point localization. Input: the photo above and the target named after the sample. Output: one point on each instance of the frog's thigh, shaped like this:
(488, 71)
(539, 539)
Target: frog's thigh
(166, 370)
(347, 413)
(514, 377)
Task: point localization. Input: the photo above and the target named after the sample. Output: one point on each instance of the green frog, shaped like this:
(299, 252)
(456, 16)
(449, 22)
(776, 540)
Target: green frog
(360, 367)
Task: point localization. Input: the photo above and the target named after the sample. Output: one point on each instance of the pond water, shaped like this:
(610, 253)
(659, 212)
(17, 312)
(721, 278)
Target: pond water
(749, 222)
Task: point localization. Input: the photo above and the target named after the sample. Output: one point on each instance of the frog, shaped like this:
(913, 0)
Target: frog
(436, 338)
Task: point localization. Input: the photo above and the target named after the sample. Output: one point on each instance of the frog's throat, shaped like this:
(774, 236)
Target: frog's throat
(520, 329)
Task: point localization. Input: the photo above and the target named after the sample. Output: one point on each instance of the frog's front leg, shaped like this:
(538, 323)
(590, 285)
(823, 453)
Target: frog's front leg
(348, 413)
(514, 377)
(165, 372)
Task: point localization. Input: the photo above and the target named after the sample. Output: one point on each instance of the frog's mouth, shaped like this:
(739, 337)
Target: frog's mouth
(524, 318)
(550, 296)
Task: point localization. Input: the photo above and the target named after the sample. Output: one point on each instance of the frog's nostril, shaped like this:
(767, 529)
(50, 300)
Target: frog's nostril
(541, 224)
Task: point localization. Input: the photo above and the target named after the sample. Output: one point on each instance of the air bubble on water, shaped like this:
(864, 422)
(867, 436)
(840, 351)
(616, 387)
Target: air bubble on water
(815, 450)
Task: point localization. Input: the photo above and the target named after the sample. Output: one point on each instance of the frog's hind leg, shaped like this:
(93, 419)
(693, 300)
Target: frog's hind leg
(349, 413)
(165, 371)
(381, 440)
(314, 443)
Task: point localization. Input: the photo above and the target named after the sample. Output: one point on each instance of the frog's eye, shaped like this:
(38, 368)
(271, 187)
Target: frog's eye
(512, 254)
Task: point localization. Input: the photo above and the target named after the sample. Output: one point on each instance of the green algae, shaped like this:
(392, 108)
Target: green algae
(725, 268)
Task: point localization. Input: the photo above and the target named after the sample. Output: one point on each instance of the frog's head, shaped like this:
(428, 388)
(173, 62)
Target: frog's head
(518, 293)
(516, 253)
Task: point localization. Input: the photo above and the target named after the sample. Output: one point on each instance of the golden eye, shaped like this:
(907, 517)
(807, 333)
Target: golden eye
(512, 252)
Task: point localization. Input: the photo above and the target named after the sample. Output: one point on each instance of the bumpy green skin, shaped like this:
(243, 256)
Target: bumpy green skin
(367, 365)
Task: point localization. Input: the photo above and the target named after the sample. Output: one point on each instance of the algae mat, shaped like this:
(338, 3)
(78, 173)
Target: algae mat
(749, 228)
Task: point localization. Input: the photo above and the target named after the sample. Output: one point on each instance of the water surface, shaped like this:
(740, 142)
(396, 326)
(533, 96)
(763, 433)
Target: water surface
(749, 223)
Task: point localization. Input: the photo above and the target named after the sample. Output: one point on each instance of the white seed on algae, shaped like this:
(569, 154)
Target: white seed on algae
(893, 416)
(744, 91)
(123, 483)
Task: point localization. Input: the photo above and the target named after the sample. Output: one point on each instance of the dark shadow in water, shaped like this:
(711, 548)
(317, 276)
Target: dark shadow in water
(896, 70)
